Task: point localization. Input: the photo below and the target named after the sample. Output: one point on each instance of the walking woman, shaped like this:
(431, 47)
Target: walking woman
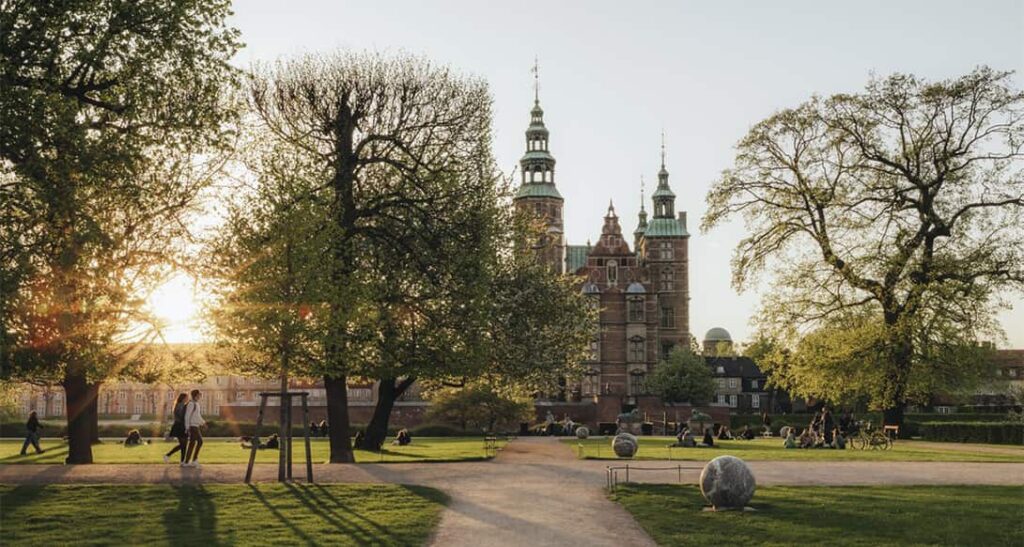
(193, 421)
(32, 428)
(178, 429)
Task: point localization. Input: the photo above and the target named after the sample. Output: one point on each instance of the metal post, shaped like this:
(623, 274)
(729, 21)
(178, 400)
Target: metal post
(627, 472)
(309, 452)
(256, 438)
(282, 441)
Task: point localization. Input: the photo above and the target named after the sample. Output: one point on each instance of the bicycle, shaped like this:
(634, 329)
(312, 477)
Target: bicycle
(866, 437)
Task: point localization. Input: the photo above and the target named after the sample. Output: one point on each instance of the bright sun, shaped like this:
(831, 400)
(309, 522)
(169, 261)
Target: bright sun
(177, 304)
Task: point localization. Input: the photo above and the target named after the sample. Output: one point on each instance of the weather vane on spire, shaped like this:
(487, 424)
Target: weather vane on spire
(662, 148)
(536, 80)
(641, 191)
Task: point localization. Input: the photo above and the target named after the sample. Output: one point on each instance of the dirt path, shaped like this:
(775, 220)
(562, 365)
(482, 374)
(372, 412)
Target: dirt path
(535, 493)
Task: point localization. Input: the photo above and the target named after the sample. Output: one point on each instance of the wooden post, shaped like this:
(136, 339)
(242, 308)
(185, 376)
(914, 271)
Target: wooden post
(256, 438)
(289, 429)
(305, 427)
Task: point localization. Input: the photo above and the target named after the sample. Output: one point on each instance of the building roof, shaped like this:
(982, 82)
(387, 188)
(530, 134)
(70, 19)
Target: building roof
(734, 367)
(575, 257)
(538, 155)
(665, 227)
(718, 334)
(538, 190)
(635, 288)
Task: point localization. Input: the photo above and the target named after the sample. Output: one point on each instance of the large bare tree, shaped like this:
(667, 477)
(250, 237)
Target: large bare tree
(895, 212)
(379, 132)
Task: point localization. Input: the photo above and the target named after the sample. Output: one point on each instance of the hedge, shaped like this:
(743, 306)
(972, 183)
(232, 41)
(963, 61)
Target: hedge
(911, 422)
(974, 432)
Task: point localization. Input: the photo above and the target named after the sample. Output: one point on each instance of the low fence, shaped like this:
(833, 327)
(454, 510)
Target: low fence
(612, 473)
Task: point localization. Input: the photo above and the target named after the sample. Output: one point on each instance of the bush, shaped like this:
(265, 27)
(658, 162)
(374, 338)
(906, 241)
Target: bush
(441, 430)
(974, 432)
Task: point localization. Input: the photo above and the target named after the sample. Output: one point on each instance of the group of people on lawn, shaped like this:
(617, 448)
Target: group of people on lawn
(823, 431)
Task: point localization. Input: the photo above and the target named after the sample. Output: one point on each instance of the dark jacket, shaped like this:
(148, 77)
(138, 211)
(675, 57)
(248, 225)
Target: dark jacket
(32, 425)
(178, 427)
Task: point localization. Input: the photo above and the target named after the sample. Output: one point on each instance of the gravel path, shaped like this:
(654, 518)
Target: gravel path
(535, 492)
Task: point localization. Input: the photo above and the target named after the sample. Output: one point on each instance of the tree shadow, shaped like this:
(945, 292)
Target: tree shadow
(324, 507)
(280, 516)
(194, 520)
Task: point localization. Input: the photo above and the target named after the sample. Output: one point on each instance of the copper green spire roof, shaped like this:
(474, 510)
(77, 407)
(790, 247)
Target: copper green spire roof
(537, 165)
(642, 216)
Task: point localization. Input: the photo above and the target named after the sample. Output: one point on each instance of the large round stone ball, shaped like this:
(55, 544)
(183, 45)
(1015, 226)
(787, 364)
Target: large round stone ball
(582, 432)
(727, 483)
(625, 445)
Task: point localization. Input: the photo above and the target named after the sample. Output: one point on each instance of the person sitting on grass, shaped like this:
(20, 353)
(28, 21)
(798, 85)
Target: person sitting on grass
(403, 438)
(569, 425)
(807, 439)
(724, 434)
(134, 438)
(746, 433)
(32, 427)
(685, 439)
(273, 442)
(324, 428)
(839, 440)
(790, 441)
(709, 440)
(314, 429)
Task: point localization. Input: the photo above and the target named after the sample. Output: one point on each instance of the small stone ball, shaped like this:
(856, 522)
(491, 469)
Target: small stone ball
(625, 445)
(727, 483)
(582, 432)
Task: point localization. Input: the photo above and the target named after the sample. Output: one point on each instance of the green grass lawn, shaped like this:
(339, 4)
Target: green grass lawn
(657, 448)
(845, 515)
(422, 449)
(264, 514)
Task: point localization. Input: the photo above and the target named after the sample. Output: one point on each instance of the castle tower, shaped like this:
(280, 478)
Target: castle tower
(537, 194)
(665, 244)
(641, 225)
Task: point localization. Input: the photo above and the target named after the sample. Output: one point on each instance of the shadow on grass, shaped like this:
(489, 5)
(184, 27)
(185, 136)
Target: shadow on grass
(194, 520)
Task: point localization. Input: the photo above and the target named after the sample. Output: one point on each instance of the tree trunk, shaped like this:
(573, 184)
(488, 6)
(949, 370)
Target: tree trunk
(337, 419)
(80, 419)
(894, 415)
(388, 391)
(93, 392)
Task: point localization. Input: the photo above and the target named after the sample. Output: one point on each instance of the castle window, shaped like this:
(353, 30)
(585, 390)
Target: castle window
(636, 308)
(595, 350)
(666, 350)
(636, 349)
(613, 273)
(591, 384)
(637, 385)
(668, 317)
(666, 280)
(667, 251)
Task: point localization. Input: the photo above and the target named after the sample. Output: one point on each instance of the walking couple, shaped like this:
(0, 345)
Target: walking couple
(187, 421)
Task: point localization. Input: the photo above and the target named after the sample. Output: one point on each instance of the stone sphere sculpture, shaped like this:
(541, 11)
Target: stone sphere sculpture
(727, 483)
(582, 432)
(625, 445)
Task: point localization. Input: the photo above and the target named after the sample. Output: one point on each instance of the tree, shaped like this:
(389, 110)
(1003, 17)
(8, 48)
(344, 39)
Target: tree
(895, 211)
(479, 407)
(107, 106)
(683, 377)
(379, 135)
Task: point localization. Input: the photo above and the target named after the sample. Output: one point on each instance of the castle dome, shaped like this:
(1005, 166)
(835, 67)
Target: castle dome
(717, 334)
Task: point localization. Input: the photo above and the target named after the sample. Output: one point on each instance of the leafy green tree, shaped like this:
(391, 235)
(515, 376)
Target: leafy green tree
(388, 142)
(682, 378)
(114, 113)
(895, 213)
(479, 407)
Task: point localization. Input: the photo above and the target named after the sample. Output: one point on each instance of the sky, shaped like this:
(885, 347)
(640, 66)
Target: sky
(614, 75)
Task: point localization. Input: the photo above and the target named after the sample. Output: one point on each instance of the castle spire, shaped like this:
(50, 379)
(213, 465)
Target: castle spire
(537, 166)
(664, 198)
(536, 82)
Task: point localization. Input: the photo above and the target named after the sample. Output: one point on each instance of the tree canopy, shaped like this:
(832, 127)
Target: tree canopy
(682, 378)
(891, 217)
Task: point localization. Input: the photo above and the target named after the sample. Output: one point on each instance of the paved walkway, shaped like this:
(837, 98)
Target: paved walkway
(535, 493)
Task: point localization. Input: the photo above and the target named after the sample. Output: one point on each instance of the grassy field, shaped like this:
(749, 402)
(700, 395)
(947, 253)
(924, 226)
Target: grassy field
(846, 515)
(657, 448)
(265, 514)
(219, 450)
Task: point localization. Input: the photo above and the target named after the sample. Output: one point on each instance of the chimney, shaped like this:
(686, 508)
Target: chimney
(682, 218)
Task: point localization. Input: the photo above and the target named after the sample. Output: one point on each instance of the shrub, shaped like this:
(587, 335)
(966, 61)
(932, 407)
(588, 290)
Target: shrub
(974, 432)
(440, 430)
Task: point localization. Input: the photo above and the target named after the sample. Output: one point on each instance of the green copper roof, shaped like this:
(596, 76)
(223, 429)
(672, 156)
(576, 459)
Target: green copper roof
(575, 257)
(538, 190)
(665, 227)
(538, 155)
(663, 191)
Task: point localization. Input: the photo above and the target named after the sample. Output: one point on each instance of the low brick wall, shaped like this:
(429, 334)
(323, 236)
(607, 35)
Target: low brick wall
(403, 415)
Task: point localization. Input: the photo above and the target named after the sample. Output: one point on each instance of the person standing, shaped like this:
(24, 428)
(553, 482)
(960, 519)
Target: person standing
(193, 421)
(827, 425)
(32, 427)
(178, 429)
